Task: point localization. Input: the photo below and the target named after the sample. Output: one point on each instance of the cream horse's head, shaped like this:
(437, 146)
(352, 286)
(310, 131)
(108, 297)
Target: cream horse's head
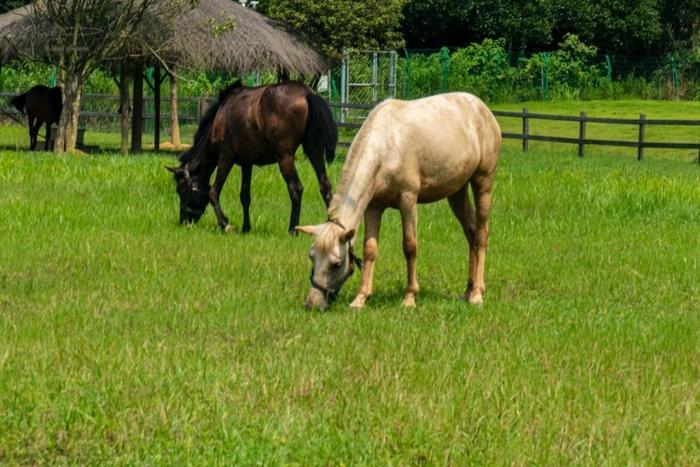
(333, 261)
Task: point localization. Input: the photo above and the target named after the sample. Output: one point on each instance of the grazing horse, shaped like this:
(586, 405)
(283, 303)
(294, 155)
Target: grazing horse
(408, 152)
(255, 126)
(41, 105)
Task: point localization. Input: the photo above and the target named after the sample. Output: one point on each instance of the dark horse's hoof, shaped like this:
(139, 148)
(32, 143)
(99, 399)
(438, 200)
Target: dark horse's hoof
(230, 229)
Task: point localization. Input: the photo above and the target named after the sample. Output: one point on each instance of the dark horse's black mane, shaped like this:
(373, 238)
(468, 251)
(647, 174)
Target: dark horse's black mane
(206, 122)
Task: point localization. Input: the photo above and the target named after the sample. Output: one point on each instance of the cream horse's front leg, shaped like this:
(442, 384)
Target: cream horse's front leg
(409, 219)
(373, 220)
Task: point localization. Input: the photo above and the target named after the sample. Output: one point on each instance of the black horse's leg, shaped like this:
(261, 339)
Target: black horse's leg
(323, 182)
(246, 174)
(33, 131)
(294, 186)
(222, 171)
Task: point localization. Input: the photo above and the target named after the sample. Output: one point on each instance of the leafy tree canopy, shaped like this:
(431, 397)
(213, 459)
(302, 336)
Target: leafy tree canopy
(337, 24)
(617, 26)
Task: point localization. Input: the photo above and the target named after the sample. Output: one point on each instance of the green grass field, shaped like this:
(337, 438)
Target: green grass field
(126, 338)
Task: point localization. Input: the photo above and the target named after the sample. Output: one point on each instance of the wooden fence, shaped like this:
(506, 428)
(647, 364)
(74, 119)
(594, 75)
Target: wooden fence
(582, 141)
(200, 104)
(113, 101)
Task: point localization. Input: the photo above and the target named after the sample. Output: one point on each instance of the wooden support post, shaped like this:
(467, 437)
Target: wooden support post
(174, 121)
(201, 104)
(124, 106)
(526, 130)
(642, 126)
(581, 134)
(156, 106)
(137, 111)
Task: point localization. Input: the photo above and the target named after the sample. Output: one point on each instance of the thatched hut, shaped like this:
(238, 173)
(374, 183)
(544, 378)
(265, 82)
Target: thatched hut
(215, 35)
(11, 24)
(224, 35)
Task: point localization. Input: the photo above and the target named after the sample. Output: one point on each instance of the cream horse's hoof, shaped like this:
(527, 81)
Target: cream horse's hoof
(474, 298)
(409, 300)
(230, 229)
(359, 302)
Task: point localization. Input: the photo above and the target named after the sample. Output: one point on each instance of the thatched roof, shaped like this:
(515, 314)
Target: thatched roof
(247, 41)
(216, 34)
(10, 24)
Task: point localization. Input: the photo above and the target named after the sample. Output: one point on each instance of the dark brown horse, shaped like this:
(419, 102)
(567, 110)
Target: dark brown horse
(255, 126)
(42, 105)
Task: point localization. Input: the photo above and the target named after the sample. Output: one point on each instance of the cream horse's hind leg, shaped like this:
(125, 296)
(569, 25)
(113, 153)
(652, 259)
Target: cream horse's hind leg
(373, 219)
(464, 212)
(409, 218)
(481, 187)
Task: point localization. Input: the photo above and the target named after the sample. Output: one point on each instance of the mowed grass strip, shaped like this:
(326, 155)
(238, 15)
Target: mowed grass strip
(126, 338)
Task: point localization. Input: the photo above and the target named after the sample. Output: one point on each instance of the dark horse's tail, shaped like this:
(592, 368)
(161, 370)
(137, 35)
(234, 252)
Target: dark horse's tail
(19, 102)
(321, 131)
(201, 137)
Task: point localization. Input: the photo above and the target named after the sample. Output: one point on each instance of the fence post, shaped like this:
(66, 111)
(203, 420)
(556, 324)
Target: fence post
(375, 77)
(674, 72)
(526, 130)
(608, 65)
(642, 126)
(545, 76)
(407, 76)
(392, 74)
(445, 61)
(581, 133)
(344, 84)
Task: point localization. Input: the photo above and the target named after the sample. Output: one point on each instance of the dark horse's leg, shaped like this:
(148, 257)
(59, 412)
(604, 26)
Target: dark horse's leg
(323, 182)
(246, 173)
(294, 186)
(222, 171)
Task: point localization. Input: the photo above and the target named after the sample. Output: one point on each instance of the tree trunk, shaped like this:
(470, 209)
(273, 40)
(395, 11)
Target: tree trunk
(124, 107)
(174, 120)
(67, 126)
(75, 115)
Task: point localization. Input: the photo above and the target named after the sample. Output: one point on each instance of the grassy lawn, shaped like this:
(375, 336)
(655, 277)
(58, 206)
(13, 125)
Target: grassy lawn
(126, 338)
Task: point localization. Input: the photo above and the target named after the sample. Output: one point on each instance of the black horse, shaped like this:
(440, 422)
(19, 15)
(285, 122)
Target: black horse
(41, 105)
(255, 126)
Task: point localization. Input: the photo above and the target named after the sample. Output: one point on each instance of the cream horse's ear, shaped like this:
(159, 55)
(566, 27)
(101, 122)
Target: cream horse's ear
(307, 229)
(347, 235)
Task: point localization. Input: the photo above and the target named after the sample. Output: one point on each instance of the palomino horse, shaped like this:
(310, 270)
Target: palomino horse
(406, 153)
(42, 105)
(255, 126)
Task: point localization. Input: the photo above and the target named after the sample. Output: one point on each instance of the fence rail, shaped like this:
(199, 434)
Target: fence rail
(201, 103)
(582, 141)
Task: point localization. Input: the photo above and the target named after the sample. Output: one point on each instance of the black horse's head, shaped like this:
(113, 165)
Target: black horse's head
(193, 192)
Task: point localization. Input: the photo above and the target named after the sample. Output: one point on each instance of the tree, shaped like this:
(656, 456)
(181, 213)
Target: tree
(337, 24)
(616, 26)
(437, 23)
(80, 35)
(6, 5)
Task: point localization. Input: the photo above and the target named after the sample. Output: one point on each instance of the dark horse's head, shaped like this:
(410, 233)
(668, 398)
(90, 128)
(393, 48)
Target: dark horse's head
(193, 192)
(197, 165)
